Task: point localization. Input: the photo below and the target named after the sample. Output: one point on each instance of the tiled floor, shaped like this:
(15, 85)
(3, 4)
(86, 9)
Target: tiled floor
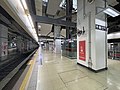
(61, 73)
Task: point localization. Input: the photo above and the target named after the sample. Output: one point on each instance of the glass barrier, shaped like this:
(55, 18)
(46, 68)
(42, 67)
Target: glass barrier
(69, 49)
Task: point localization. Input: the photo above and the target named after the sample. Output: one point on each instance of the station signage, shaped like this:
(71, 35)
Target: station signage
(82, 50)
(100, 27)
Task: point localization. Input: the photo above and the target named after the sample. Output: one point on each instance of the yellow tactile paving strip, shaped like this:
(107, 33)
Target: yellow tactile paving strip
(26, 79)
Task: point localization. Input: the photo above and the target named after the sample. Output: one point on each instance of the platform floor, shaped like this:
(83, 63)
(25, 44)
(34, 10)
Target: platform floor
(56, 72)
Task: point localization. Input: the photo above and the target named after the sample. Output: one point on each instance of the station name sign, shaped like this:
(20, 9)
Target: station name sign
(100, 27)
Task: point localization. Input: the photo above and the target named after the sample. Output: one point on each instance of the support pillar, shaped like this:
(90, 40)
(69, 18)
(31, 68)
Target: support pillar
(57, 31)
(19, 44)
(57, 39)
(92, 44)
(69, 6)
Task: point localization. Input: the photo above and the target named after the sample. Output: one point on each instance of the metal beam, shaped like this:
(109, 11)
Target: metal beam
(45, 37)
(66, 16)
(48, 33)
(69, 7)
(47, 20)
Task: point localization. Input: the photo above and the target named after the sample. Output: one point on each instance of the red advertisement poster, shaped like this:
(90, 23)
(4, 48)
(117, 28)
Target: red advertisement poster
(82, 50)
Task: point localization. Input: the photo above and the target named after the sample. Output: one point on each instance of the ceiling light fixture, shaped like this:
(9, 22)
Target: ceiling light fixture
(32, 30)
(24, 4)
(31, 21)
(39, 26)
(111, 11)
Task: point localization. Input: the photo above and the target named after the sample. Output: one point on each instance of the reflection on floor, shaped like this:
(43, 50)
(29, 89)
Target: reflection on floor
(61, 73)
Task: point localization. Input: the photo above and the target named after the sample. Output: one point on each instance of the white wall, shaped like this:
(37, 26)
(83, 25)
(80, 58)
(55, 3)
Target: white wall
(58, 46)
(95, 39)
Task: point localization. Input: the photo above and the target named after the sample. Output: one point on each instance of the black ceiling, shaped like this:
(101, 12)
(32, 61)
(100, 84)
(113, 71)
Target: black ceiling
(113, 22)
(114, 40)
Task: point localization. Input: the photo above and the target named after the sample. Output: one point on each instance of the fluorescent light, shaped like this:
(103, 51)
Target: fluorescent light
(27, 12)
(45, 0)
(62, 3)
(39, 26)
(39, 34)
(113, 35)
(24, 4)
(31, 22)
(111, 11)
(32, 28)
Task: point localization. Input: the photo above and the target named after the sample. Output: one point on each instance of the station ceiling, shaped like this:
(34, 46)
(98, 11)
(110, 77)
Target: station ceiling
(52, 9)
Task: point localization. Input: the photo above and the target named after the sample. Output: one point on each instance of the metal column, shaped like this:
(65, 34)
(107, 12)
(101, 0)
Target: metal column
(69, 6)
